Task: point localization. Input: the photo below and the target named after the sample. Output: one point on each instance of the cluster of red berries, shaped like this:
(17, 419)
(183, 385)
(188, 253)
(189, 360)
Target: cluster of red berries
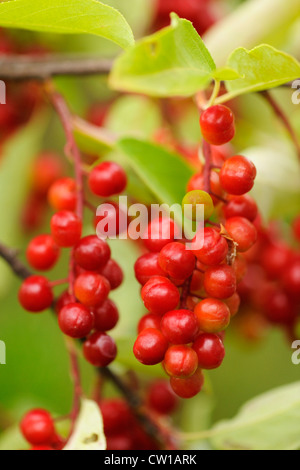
(199, 12)
(271, 286)
(180, 332)
(38, 428)
(84, 310)
(121, 428)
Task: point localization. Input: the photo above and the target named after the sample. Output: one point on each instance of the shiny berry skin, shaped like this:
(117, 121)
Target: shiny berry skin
(107, 179)
(66, 228)
(213, 315)
(91, 289)
(62, 195)
(75, 320)
(275, 259)
(180, 361)
(176, 261)
(160, 295)
(35, 294)
(116, 415)
(161, 398)
(42, 252)
(91, 253)
(196, 198)
(242, 231)
(146, 267)
(241, 206)
(296, 228)
(179, 326)
(220, 282)
(37, 427)
(149, 321)
(113, 273)
(237, 175)
(188, 387)
(150, 347)
(106, 316)
(291, 279)
(210, 351)
(159, 233)
(217, 125)
(197, 182)
(214, 249)
(100, 349)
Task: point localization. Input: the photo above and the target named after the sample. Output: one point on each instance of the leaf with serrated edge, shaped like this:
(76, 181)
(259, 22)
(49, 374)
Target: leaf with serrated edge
(67, 17)
(171, 62)
(261, 68)
(88, 433)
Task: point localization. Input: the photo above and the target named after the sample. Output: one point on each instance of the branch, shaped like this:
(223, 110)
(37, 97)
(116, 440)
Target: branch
(132, 398)
(18, 67)
(284, 119)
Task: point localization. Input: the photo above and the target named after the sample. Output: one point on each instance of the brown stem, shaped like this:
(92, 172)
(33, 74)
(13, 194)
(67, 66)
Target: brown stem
(11, 257)
(207, 167)
(75, 373)
(284, 119)
(16, 67)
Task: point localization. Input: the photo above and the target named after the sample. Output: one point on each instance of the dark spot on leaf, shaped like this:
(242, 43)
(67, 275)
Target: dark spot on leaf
(93, 438)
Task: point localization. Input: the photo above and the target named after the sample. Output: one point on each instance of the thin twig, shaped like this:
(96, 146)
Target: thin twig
(16, 67)
(11, 257)
(284, 119)
(207, 167)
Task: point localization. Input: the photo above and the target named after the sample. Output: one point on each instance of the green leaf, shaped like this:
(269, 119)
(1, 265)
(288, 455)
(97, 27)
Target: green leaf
(172, 62)
(88, 433)
(269, 422)
(261, 68)
(92, 139)
(67, 17)
(166, 174)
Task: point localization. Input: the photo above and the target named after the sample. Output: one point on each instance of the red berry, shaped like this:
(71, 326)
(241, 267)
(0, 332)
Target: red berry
(220, 282)
(210, 351)
(197, 182)
(233, 303)
(42, 252)
(113, 273)
(161, 398)
(188, 387)
(213, 315)
(149, 321)
(291, 279)
(107, 179)
(177, 261)
(179, 326)
(237, 175)
(296, 228)
(275, 259)
(37, 427)
(159, 233)
(240, 267)
(91, 253)
(75, 320)
(241, 206)
(214, 249)
(35, 294)
(47, 169)
(160, 295)
(146, 267)
(242, 231)
(66, 229)
(217, 125)
(91, 289)
(116, 416)
(100, 349)
(62, 195)
(150, 347)
(278, 307)
(180, 361)
(111, 220)
(64, 299)
(106, 316)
